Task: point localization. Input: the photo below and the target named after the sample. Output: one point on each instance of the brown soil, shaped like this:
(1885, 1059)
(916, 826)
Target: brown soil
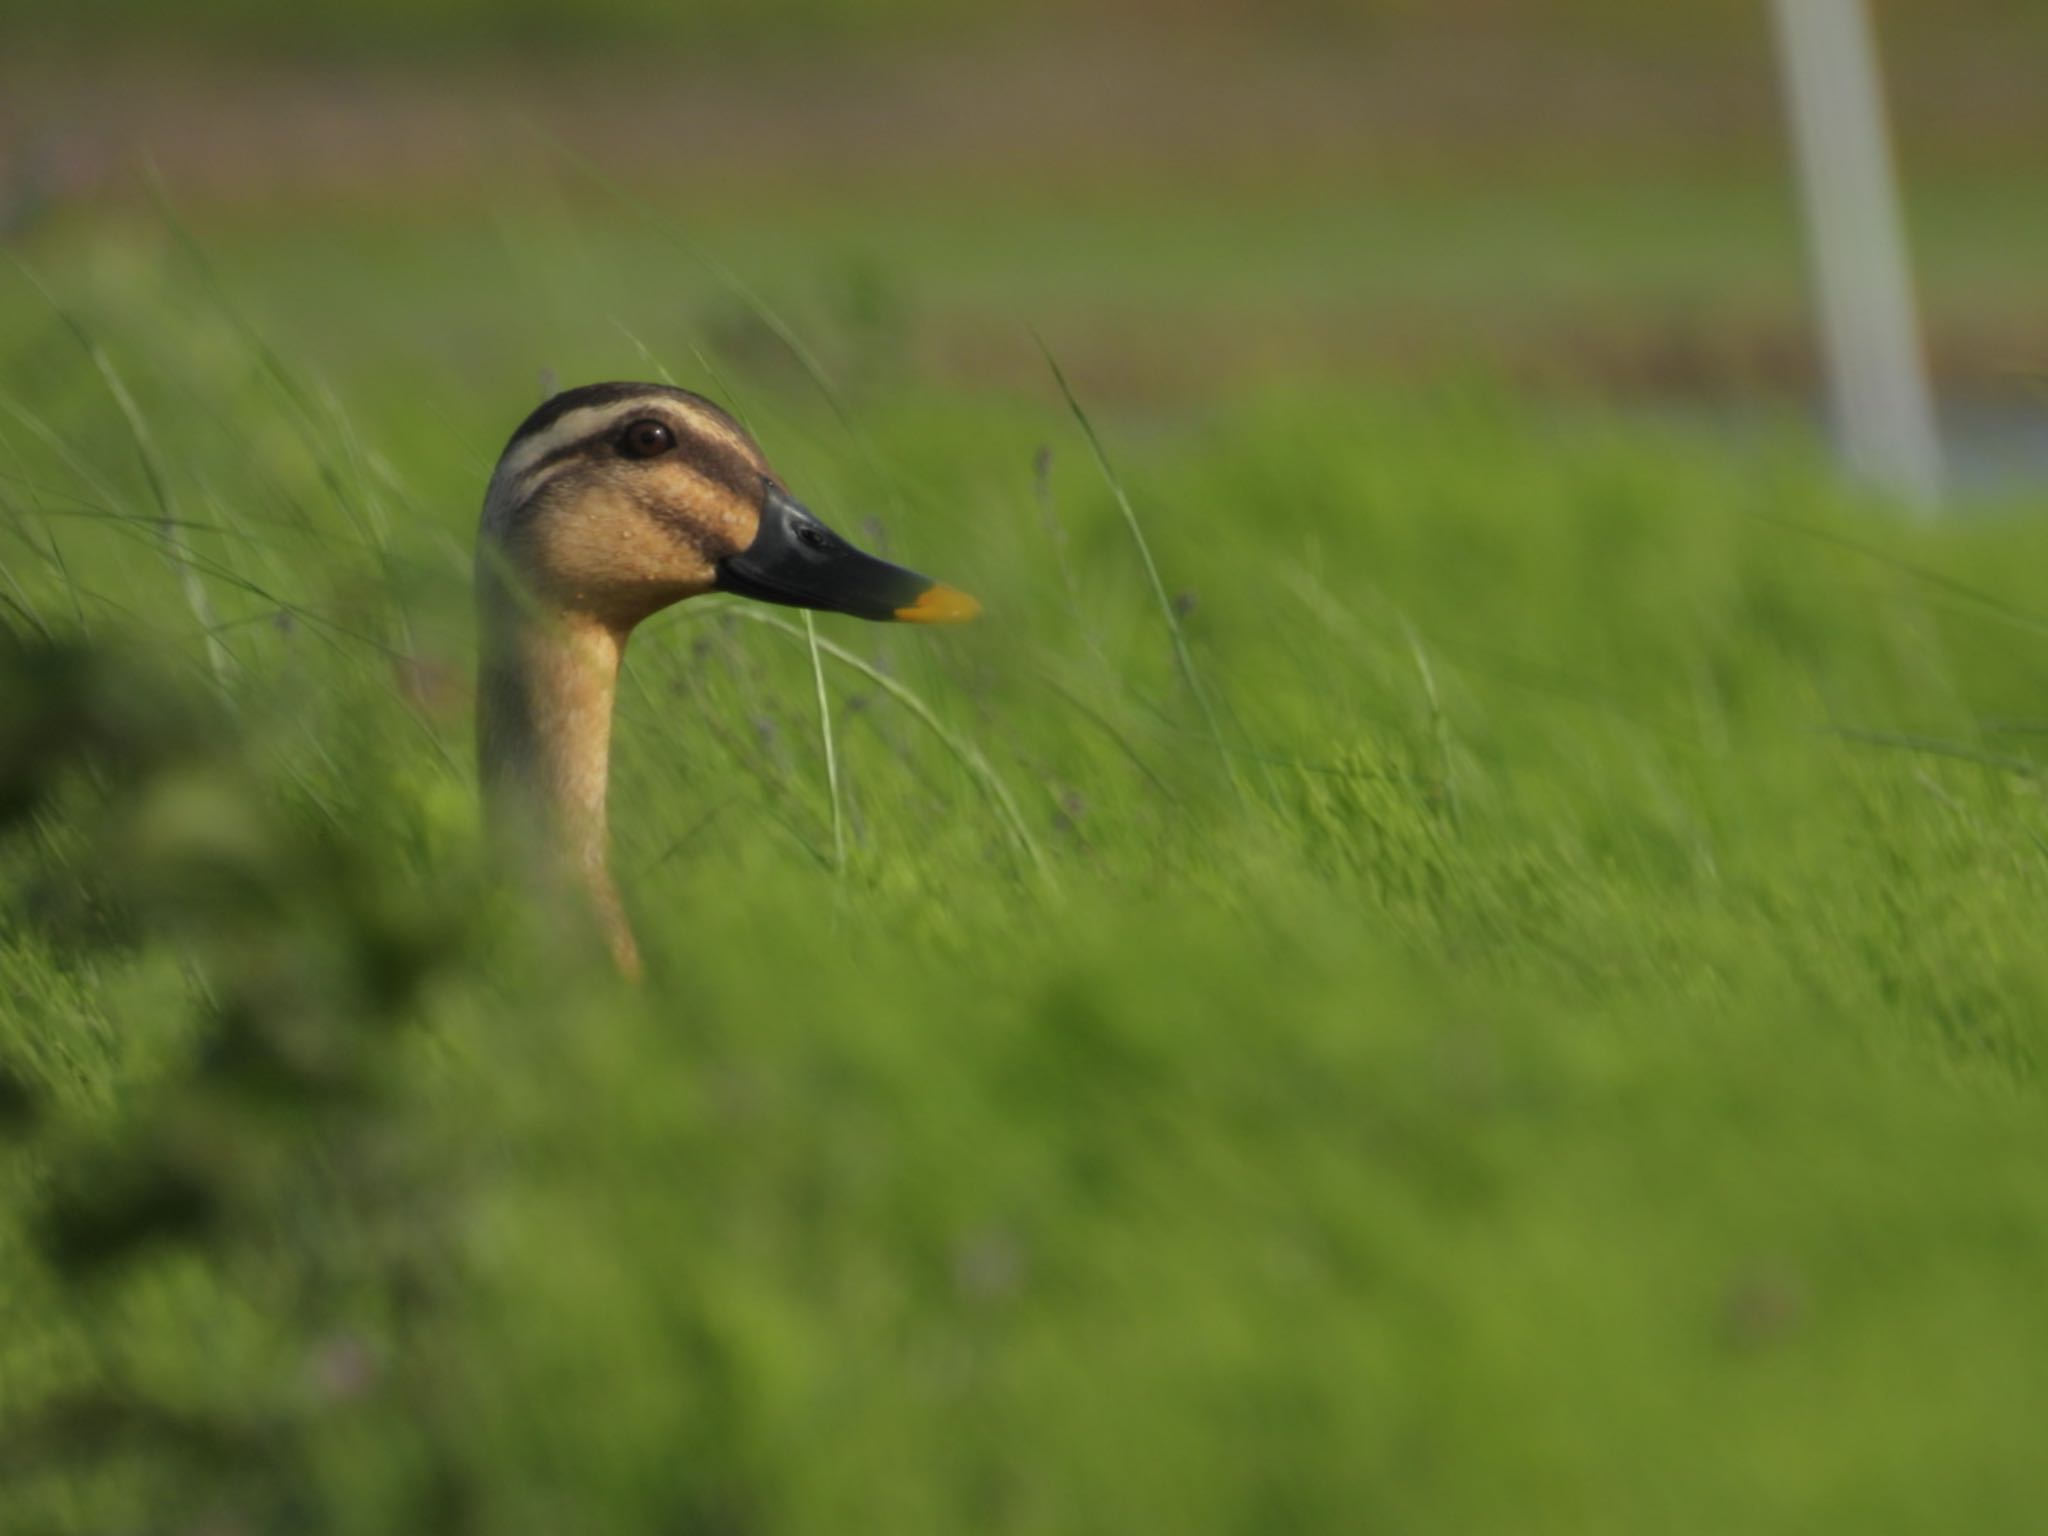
(1472, 89)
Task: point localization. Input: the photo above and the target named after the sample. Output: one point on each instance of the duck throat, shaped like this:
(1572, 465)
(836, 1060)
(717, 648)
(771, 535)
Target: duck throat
(545, 691)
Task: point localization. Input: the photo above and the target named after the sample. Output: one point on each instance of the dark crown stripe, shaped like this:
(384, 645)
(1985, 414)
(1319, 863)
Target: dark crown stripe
(710, 454)
(584, 396)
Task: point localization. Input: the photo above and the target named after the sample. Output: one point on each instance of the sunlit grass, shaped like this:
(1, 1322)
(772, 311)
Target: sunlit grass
(1586, 1078)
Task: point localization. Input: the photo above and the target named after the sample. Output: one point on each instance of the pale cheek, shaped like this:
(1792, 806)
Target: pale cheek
(597, 559)
(733, 525)
(650, 553)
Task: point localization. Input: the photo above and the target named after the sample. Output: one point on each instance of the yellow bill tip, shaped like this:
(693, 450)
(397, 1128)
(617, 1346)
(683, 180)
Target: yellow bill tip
(940, 605)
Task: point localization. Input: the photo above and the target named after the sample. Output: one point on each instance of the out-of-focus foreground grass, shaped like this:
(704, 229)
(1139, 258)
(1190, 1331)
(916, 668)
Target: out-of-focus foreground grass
(1562, 1052)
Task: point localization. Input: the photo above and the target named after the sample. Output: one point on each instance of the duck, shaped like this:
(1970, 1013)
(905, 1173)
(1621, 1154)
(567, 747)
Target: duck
(610, 503)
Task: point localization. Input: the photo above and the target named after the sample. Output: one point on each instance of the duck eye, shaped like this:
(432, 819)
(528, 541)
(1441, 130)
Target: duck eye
(645, 439)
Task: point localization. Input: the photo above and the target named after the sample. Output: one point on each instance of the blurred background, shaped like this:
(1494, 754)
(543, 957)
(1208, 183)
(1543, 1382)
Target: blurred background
(1577, 197)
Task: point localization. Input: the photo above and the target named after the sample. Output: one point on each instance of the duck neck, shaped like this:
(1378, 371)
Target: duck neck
(545, 690)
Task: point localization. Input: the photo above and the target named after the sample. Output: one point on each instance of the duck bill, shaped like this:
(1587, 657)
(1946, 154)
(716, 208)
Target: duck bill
(797, 561)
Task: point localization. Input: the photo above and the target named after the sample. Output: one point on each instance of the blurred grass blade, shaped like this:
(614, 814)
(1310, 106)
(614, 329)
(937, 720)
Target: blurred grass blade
(1171, 619)
(969, 756)
(153, 471)
(831, 750)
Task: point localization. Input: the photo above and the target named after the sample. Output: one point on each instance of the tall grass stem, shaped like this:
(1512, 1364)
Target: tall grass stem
(1182, 657)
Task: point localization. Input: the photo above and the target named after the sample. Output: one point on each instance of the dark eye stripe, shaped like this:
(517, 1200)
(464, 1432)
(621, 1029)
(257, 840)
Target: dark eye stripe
(715, 461)
(560, 455)
(720, 465)
(647, 438)
(585, 396)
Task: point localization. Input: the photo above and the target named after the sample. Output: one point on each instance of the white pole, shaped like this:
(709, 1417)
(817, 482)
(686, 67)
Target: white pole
(1877, 372)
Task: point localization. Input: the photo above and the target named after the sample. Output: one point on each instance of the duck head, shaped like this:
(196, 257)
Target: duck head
(614, 501)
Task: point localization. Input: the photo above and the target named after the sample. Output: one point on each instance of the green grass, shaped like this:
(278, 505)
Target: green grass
(1572, 1061)
(1160, 290)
